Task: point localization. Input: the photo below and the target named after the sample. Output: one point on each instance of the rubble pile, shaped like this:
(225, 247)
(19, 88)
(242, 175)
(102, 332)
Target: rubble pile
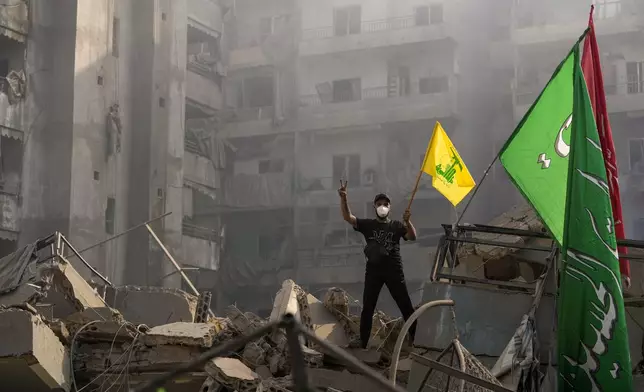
(67, 335)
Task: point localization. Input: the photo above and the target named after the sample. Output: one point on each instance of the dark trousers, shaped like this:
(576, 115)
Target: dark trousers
(393, 277)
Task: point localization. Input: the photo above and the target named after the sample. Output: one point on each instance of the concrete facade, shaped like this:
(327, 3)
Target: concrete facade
(95, 111)
(401, 67)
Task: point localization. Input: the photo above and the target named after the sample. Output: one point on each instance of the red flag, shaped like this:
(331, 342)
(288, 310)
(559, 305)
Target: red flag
(595, 82)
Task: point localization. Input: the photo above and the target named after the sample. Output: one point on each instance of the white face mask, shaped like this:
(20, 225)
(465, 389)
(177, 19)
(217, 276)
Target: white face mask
(382, 211)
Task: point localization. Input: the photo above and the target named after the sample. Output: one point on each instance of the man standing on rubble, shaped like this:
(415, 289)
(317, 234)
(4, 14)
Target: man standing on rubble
(384, 264)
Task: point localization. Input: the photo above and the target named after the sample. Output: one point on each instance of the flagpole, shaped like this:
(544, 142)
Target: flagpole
(476, 189)
(413, 193)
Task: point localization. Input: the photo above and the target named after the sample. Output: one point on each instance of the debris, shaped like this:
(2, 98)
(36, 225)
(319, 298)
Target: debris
(145, 330)
(33, 353)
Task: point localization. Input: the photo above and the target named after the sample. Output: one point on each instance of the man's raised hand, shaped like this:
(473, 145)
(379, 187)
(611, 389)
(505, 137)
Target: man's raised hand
(342, 191)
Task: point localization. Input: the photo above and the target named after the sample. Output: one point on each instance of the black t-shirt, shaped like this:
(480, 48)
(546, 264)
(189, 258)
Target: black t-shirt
(383, 239)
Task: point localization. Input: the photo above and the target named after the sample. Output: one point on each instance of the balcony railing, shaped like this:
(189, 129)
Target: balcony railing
(194, 231)
(403, 22)
(367, 94)
(250, 114)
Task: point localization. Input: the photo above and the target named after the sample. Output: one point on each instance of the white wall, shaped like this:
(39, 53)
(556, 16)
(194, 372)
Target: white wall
(319, 14)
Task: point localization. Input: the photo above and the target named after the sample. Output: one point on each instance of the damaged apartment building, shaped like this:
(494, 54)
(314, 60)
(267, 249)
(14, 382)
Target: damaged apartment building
(317, 92)
(107, 115)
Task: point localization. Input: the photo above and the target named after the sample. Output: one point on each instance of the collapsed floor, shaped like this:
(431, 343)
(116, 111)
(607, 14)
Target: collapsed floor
(66, 336)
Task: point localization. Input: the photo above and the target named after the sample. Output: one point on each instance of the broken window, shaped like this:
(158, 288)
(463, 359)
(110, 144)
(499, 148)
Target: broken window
(399, 81)
(347, 90)
(258, 91)
(347, 20)
(116, 25)
(436, 14)
(636, 155)
(635, 77)
(433, 85)
(347, 167)
(271, 166)
(422, 15)
(110, 212)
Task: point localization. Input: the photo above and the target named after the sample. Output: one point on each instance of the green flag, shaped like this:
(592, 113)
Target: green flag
(536, 155)
(555, 159)
(592, 339)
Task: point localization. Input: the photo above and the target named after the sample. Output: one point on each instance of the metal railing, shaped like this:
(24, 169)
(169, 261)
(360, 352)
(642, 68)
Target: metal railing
(293, 331)
(372, 26)
(382, 92)
(447, 251)
(195, 231)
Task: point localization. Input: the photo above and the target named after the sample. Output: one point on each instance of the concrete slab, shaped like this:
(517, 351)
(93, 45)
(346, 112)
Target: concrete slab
(32, 358)
(325, 325)
(286, 301)
(344, 381)
(152, 306)
(185, 334)
(233, 374)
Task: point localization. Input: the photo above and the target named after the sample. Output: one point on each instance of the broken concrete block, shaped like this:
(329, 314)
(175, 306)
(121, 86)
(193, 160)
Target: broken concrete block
(56, 283)
(233, 374)
(325, 325)
(244, 323)
(152, 306)
(286, 302)
(33, 358)
(264, 372)
(184, 334)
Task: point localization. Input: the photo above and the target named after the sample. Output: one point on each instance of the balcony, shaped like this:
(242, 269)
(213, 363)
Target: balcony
(200, 170)
(376, 107)
(203, 92)
(205, 15)
(320, 190)
(10, 208)
(259, 191)
(247, 58)
(14, 17)
(373, 34)
(541, 26)
(12, 118)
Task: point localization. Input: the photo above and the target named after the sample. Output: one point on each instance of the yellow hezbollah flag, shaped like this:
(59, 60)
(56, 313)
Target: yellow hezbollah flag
(442, 162)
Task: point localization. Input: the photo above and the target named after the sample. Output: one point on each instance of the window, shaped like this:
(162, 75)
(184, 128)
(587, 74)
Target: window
(422, 15)
(347, 20)
(635, 77)
(436, 14)
(265, 28)
(433, 85)
(605, 9)
(271, 166)
(258, 91)
(610, 79)
(116, 25)
(346, 167)
(310, 215)
(347, 90)
(636, 155)
(110, 212)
